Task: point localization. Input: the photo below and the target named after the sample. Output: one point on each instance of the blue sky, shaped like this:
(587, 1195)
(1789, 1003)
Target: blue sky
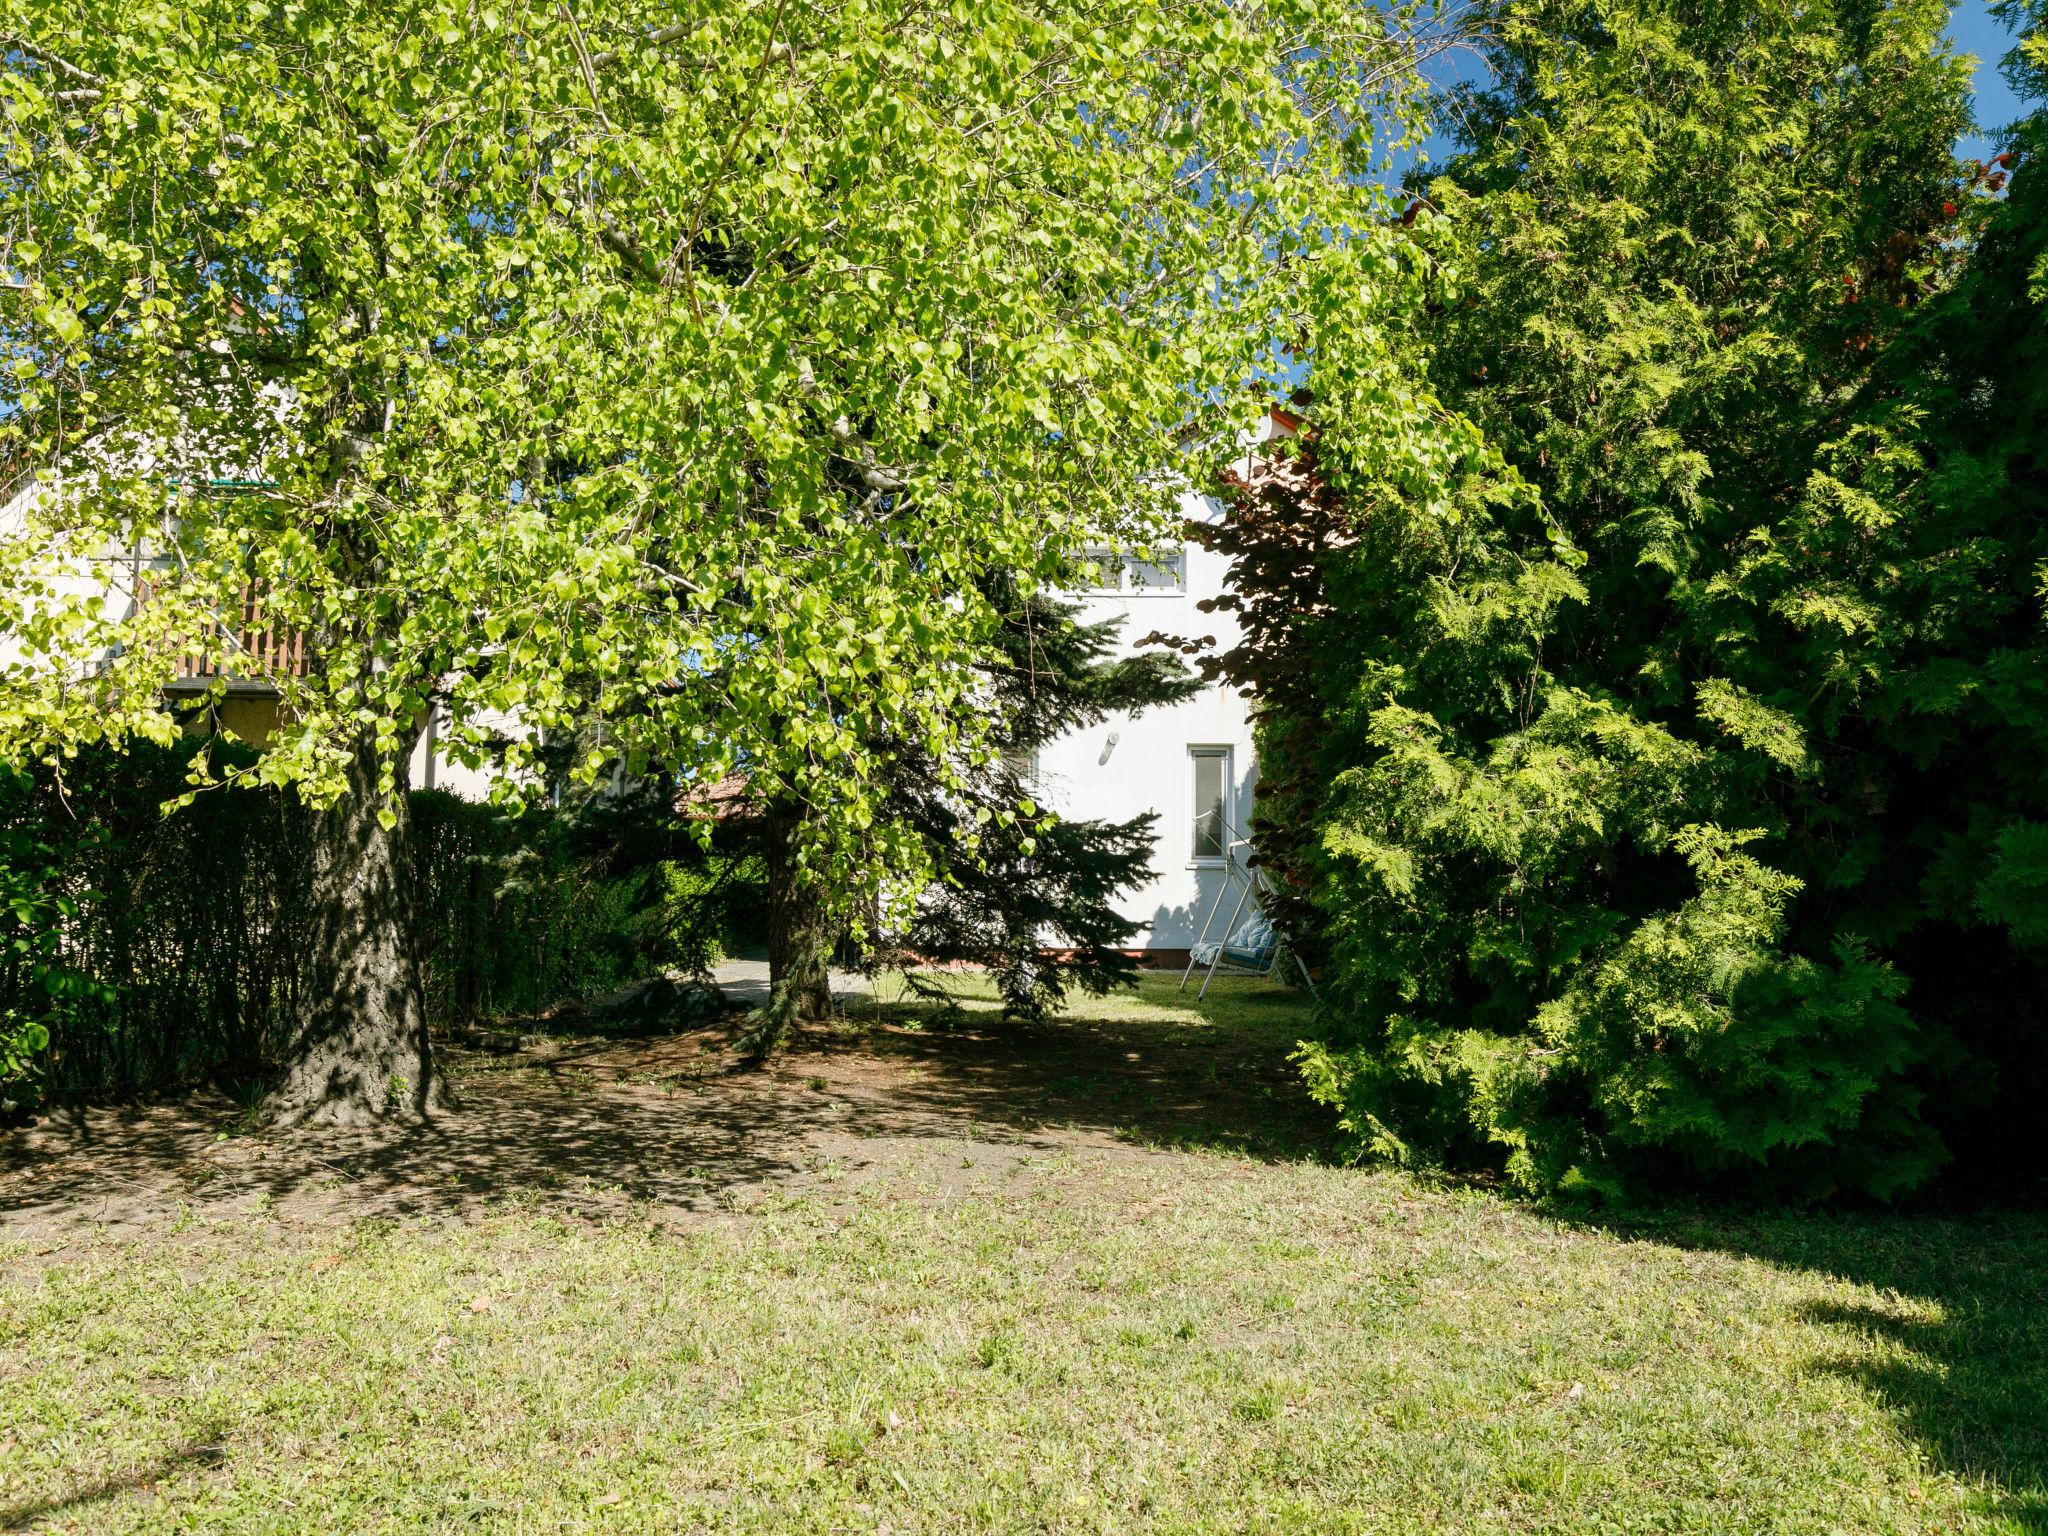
(1976, 32)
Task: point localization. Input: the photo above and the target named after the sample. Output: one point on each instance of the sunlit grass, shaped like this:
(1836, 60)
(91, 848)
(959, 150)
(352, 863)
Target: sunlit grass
(1059, 1336)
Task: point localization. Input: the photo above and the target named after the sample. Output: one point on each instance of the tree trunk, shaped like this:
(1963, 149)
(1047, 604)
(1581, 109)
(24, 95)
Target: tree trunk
(361, 1054)
(801, 936)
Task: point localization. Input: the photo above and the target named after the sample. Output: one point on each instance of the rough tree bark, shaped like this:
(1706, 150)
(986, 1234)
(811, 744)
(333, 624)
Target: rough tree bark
(801, 936)
(362, 1053)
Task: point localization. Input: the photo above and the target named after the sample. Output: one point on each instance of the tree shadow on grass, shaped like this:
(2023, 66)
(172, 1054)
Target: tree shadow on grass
(1176, 1077)
(1954, 1343)
(666, 1127)
(206, 1448)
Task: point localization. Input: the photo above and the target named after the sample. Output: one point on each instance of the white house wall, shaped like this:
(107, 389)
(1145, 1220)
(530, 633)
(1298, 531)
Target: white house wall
(428, 769)
(71, 581)
(1128, 765)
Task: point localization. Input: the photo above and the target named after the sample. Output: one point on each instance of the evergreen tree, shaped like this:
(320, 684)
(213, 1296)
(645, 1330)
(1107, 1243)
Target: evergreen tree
(1960, 722)
(1603, 739)
(1017, 890)
(1028, 896)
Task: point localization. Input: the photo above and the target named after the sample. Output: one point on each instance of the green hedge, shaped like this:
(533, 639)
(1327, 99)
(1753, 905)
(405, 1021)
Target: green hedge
(144, 951)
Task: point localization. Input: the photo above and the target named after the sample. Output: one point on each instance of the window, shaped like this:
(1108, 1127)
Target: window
(1209, 773)
(1165, 571)
(1100, 571)
(1161, 573)
(1024, 764)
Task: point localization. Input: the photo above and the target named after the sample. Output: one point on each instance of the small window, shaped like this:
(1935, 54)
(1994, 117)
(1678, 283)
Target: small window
(1024, 764)
(1209, 769)
(1100, 571)
(1163, 571)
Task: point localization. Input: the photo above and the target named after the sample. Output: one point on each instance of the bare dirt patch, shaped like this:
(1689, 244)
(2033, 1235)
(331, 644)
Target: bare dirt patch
(679, 1128)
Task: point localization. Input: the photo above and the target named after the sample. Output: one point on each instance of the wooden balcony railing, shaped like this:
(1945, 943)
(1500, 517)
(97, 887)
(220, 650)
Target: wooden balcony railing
(247, 650)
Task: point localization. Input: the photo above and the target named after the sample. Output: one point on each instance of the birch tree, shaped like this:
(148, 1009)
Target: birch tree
(710, 351)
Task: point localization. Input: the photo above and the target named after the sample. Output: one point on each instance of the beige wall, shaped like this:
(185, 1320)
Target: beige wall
(249, 716)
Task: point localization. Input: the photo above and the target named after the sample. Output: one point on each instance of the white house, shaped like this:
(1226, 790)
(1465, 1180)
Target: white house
(1193, 763)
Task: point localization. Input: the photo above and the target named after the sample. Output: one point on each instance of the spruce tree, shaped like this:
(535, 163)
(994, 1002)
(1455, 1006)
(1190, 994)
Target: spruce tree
(1016, 889)
(1022, 892)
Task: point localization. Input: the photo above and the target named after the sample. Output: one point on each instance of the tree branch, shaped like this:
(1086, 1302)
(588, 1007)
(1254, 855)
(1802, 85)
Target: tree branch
(588, 66)
(56, 62)
(652, 39)
(884, 479)
(881, 479)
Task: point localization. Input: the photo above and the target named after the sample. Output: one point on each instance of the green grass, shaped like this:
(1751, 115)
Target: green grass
(1074, 1336)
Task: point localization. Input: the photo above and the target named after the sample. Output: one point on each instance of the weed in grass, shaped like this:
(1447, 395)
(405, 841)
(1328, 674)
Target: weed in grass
(1257, 1407)
(846, 1444)
(999, 1351)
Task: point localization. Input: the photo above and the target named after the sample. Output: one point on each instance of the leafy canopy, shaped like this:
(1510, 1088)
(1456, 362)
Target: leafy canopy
(713, 352)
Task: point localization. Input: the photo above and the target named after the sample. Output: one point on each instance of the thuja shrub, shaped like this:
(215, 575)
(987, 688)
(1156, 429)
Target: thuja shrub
(1663, 780)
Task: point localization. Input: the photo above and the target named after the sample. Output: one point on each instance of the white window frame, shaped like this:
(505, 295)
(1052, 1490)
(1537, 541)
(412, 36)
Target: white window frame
(1173, 557)
(1198, 752)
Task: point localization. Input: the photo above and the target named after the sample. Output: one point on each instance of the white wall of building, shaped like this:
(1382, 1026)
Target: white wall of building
(1113, 771)
(430, 768)
(1128, 765)
(71, 580)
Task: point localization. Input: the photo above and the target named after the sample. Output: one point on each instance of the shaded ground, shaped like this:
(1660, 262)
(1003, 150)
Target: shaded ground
(928, 1273)
(675, 1126)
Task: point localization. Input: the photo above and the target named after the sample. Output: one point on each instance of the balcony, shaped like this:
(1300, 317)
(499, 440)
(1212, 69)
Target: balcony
(246, 653)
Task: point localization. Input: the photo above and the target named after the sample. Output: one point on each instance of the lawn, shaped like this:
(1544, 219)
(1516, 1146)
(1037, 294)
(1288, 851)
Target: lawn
(925, 1275)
